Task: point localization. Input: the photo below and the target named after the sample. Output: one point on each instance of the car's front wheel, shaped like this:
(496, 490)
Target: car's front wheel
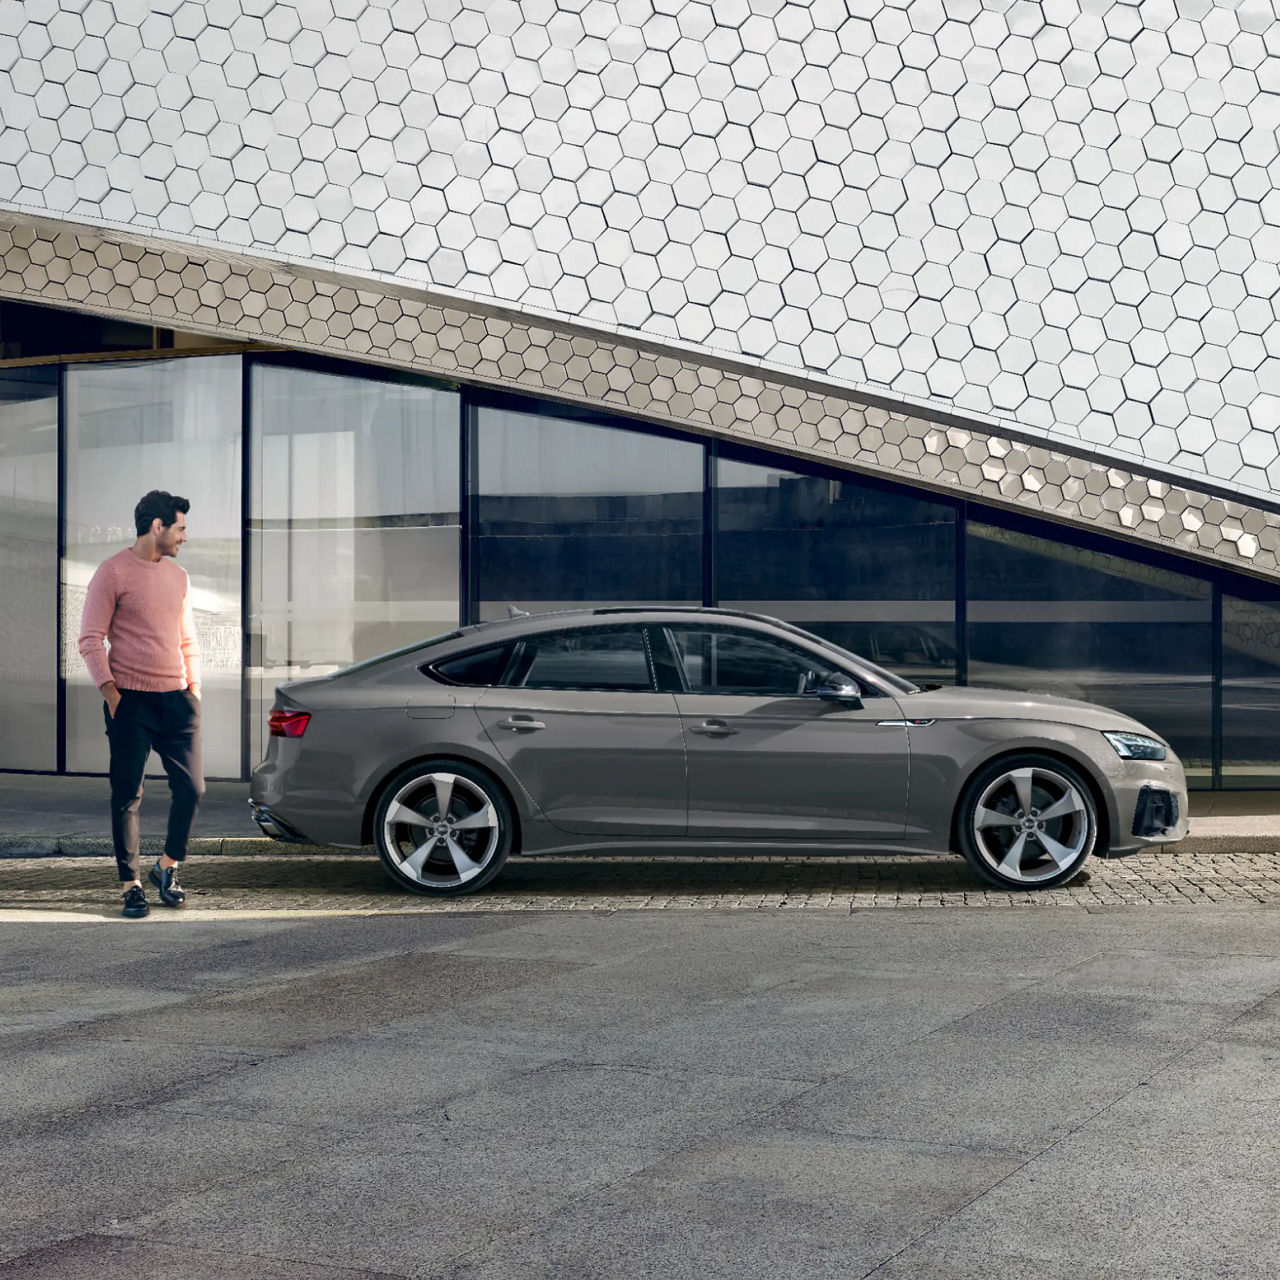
(443, 827)
(1027, 822)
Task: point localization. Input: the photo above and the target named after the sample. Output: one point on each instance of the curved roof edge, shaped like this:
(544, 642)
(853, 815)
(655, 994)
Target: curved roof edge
(304, 307)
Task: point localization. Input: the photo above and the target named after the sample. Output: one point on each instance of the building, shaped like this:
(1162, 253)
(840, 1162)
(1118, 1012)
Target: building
(950, 330)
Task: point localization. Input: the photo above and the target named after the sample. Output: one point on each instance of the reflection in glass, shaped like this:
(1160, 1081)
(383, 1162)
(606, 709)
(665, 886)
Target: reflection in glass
(29, 569)
(354, 524)
(1251, 689)
(871, 569)
(571, 514)
(1049, 617)
(162, 424)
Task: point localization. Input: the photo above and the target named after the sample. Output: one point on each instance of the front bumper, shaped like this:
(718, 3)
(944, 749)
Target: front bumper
(1151, 806)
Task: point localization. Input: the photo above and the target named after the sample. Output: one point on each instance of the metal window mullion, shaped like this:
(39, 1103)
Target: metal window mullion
(60, 686)
(710, 517)
(961, 595)
(1216, 687)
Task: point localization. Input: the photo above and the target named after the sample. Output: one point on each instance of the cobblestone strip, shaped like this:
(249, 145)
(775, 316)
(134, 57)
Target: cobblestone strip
(326, 883)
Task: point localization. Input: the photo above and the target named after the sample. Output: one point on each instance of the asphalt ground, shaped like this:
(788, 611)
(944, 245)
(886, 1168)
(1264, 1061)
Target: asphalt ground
(1046, 1093)
(723, 1068)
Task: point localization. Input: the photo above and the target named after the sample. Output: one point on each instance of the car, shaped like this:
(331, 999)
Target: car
(686, 729)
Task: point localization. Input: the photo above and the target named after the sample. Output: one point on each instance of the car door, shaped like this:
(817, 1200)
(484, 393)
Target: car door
(767, 759)
(578, 720)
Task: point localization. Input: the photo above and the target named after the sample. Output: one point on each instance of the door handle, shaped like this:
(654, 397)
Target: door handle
(713, 729)
(521, 724)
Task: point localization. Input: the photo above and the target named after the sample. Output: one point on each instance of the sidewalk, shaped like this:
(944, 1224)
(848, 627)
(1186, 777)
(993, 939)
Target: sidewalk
(43, 816)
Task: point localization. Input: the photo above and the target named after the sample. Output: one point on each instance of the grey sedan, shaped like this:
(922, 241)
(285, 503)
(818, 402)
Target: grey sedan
(696, 730)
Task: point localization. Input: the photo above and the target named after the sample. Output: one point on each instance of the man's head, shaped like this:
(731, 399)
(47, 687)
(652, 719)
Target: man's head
(162, 516)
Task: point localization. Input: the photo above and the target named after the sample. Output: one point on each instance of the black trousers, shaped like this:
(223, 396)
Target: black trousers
(169, 724)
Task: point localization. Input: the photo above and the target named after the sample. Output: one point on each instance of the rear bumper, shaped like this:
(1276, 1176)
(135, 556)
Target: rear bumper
(272, 824)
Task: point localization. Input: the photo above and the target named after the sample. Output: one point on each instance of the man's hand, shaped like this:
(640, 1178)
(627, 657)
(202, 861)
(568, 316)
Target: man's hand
(111, 695)
(194, 691)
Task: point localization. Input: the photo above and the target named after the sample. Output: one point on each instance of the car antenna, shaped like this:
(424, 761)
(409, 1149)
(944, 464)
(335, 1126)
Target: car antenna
(513, 612)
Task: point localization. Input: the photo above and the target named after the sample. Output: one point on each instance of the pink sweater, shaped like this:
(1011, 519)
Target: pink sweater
(144, 610)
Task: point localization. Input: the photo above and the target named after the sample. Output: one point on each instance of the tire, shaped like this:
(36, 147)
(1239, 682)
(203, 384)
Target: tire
(446, 857)
(1027, 822)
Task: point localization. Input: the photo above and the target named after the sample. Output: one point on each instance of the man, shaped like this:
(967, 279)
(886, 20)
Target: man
(140, 602)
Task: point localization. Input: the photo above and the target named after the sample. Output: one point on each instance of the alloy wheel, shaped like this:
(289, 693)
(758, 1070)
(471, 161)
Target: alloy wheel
(440, 830)
(1031, 824)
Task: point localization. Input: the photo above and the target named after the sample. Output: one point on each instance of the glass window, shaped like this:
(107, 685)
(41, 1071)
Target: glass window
(731, 662)
(354, 532)
(28, 331)
(482, 668)
(869, 568)
(1049, 617)
(609, 659)
(29, 569)
(1251, 687)
(570, 513)
(158, 424)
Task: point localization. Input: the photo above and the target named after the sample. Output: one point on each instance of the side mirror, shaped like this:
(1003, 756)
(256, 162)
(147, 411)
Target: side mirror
(844, 692)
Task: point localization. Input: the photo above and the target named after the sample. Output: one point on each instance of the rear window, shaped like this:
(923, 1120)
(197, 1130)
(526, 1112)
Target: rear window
(416, 647)
(480, 667)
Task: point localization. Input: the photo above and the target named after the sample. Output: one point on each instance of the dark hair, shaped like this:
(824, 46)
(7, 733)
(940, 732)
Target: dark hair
(158, 505)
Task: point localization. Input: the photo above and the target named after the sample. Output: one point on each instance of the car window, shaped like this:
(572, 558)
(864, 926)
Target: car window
(734, 662)
(612, 658)
(483, 667)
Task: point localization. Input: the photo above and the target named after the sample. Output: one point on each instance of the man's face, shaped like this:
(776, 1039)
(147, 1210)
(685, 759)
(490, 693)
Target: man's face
(169, 540)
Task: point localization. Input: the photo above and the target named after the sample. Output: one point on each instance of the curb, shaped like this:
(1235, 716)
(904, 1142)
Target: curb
(199, 846)
(260, 846)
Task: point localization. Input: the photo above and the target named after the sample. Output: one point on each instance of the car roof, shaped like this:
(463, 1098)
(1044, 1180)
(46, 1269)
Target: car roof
(522, 623)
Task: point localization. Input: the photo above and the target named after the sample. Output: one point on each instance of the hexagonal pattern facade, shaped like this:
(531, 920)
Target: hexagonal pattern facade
(326, 312)
(1059, 214)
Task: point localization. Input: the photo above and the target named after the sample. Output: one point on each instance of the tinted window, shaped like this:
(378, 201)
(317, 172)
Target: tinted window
(870, 569)
(1251, 687)
(1049, 617)
(480, 667)
(737, 663)
(612, 659)
(571, 513)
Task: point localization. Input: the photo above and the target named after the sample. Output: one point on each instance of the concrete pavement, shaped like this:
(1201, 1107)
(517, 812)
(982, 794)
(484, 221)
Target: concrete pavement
(727, 1095)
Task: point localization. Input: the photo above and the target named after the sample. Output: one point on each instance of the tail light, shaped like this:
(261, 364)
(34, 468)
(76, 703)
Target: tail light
(288, 724)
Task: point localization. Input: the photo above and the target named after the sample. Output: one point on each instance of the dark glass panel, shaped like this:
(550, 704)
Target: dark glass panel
(29, 569)
(867, 567)
(1049, 617)
(573, 514)
(28, 331)
(1251, 687)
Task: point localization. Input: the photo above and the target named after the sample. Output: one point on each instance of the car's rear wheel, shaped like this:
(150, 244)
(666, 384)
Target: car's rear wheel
(443, 827)
(1027, 822)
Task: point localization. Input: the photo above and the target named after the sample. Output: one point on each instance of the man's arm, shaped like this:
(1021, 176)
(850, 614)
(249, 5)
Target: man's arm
(190, 645)
(99, 606)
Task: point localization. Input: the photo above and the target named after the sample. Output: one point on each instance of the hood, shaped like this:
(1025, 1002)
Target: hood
(973, 703)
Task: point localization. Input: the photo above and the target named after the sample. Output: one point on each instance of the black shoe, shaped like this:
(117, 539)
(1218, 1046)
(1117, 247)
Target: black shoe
(135, 903)
(166, 880)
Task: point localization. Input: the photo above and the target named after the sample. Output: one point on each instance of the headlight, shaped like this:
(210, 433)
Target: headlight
(1135, 746)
